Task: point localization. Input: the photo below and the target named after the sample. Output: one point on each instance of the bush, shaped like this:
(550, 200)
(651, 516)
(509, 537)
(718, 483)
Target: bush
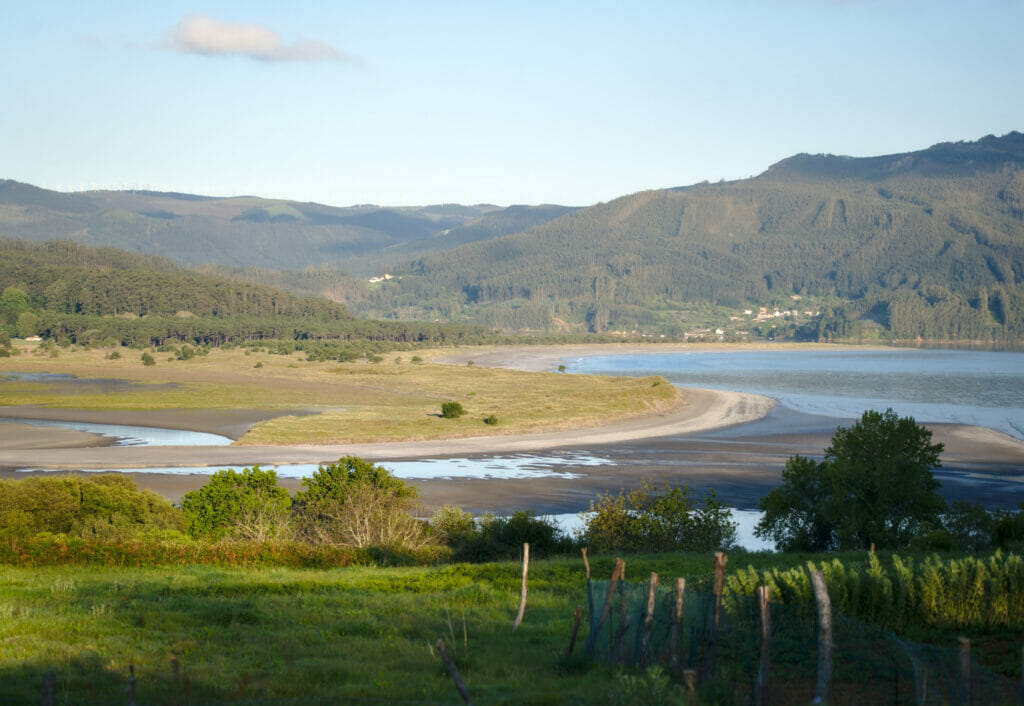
(494, 537)
(658, 520)
(452, 410)
(148, 359)
(105, 506)
(356, 503)
(491, 420)
(451, 523)
(239, 505)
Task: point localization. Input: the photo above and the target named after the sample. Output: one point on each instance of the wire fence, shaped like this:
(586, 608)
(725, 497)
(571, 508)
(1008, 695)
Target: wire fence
(737, 649)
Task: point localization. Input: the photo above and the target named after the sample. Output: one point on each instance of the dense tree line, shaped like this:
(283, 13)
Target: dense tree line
(69, 292)
(69, 278)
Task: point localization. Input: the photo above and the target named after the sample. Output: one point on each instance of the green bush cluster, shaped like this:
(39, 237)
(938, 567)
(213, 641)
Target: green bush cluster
(47, 549)
(494, 537)
(650, 519)
(103, 507)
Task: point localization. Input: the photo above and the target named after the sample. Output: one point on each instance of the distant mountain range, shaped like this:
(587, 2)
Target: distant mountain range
(926, 244)
(253, 232)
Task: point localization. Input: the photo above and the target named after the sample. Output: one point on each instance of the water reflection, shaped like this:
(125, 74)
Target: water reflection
(127, 435)
(495, 467)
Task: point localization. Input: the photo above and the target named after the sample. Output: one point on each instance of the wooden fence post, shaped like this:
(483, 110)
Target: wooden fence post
(590, 594)
(676, 634)
(454, 672)
(719, 563)
(690, 686)
(49, 689)
(575, 629)
(617, 572)
(624, 622)
(522, 602)
(645, 640)
(823, 692)
(965, 670)
(131, 685)
(761, 697)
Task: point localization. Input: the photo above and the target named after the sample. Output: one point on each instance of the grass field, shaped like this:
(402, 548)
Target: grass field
(394, 399)
(201, 634)
(337, 635)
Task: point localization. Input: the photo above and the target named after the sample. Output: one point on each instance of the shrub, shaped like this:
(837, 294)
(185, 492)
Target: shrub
(148, 359)
(105, 506)
(356, 503)
(416, 360)
(239, 505)
(649, 519)
(113, 355)
(451, 522)
(494, 537)
(492, 420)
(452, 410)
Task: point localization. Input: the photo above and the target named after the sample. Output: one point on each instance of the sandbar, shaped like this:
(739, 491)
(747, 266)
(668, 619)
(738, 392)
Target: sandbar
(722, 440)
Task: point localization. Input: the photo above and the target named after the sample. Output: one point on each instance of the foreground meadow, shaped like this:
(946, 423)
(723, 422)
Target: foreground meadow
(217, 634)
(384, 398)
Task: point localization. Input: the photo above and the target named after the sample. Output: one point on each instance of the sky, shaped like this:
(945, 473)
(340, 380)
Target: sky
(415, 103)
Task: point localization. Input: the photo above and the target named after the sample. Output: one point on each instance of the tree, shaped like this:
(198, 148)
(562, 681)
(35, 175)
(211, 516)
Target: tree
(246, 504)
(874, 486)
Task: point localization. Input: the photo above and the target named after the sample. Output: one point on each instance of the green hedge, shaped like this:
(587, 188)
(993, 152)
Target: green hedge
(53, 549)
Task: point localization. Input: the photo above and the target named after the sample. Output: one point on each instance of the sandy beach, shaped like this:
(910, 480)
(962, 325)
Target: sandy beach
(733, 442)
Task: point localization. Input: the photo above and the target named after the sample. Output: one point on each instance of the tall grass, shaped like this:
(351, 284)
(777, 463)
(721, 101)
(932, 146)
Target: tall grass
(900, 593)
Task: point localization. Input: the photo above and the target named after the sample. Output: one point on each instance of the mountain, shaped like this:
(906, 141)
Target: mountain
(248, 231)
(918, 245)
(926, 244)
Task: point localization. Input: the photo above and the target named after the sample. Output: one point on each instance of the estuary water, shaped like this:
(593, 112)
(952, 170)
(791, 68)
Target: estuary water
(127, 435)
(961, 387)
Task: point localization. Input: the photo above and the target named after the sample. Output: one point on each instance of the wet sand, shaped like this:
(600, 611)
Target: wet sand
(735, 443)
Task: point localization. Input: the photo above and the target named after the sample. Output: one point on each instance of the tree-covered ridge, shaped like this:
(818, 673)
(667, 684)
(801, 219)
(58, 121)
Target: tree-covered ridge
(69, 278)
(72, 293)
(928, 244)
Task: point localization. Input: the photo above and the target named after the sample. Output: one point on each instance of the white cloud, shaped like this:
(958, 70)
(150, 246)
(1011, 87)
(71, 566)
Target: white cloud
(202, 34)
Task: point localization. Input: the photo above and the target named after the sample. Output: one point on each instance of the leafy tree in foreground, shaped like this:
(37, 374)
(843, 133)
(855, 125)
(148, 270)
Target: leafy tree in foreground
(875, 486)
(650, 519)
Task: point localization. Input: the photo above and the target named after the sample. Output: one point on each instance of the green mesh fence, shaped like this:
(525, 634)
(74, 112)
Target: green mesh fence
(871, 665)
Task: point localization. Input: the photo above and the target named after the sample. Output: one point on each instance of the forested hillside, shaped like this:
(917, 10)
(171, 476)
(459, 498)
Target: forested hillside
(927, 244)
(69, 292)
(922, 245)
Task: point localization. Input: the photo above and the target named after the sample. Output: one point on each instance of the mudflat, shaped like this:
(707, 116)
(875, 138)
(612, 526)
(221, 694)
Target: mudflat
(684, 444)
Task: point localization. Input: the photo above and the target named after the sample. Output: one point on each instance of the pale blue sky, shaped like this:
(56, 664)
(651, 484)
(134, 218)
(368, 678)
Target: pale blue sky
(519, 102)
